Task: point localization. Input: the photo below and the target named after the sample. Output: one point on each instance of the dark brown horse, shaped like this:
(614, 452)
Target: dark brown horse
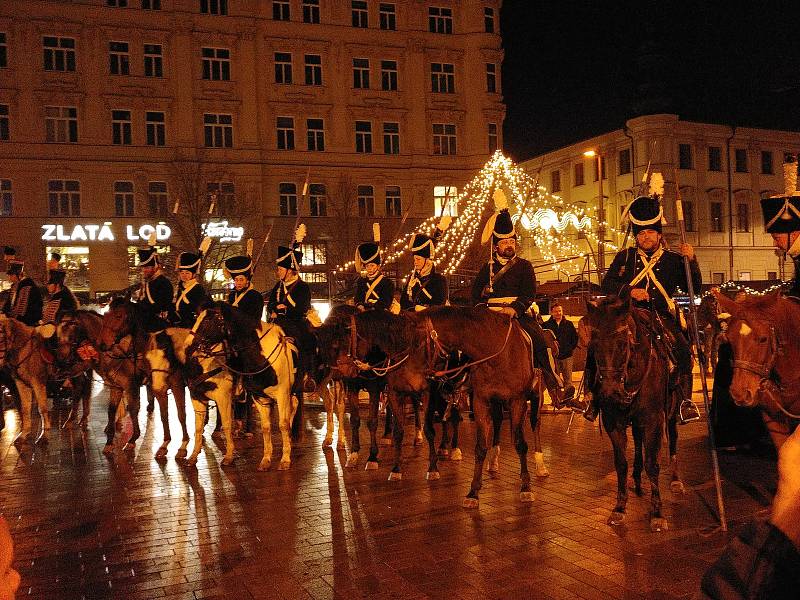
(764, 333)
(631, 388)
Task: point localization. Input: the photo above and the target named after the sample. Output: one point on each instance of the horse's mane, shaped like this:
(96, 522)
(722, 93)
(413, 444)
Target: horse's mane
(773, 308)
(164, 341)
(391, 333)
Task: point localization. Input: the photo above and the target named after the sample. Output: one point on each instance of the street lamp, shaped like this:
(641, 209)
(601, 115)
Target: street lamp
(601, 214)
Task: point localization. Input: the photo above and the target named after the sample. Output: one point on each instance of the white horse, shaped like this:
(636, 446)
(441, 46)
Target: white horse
(205, 375)
(21, 354)
(266, 365)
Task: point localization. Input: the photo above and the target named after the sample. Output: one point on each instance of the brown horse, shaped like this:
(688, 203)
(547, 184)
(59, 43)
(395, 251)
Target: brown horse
(764, 333)
(631, 388)
(122, 343)
(708, 324)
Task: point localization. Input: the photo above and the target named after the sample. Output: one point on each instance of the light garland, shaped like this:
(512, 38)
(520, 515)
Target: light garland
(541, 215)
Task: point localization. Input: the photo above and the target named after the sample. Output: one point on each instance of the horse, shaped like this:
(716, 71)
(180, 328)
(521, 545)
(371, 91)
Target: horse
(264, 359)
(763, 334)
(332, 346)
(22, 353)
(122, 343)
(631, 388)
(709, 325)
(205, 376)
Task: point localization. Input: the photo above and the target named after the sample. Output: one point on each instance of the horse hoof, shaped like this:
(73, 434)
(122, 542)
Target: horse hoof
(456, 454)
(352, 460)
(433, 475)
(418, 439)
(443, 452)
(386, 441)
(658, 524)
(395, 476)
(108, 449)
(161, 453)
(284, 465)
(264, 465)
(470, 502)
(616, 518)
(526, 497)
(372, 465)
(327, 442)
(180, 454)
(340, 445)
(226, 462)
(677, 487)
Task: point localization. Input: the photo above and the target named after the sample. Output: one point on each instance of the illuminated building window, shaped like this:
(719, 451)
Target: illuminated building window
(444, 198)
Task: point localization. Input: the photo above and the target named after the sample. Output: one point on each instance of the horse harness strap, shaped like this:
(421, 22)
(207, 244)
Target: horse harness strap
(434, 336)
(365, 366)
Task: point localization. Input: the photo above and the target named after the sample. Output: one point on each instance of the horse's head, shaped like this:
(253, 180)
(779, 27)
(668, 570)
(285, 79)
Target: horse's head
(334, 340)
(754, 341)
(608, 327)
(118, 322)
(210, 327)
(69, 334)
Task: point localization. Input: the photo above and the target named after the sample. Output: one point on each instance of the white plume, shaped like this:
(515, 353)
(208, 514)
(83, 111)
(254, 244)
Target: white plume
(376, 232)
(249, 247)
(205, 245)
(500, 201)
(444, 223)
(657, 184)
(176, 207)
(300, 233)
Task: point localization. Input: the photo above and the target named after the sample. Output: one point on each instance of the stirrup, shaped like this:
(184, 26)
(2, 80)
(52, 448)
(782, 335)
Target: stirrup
(688, 412)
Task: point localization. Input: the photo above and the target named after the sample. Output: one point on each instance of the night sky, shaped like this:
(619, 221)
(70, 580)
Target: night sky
(576, 69)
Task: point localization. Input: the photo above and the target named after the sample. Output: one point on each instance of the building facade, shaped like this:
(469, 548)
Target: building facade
(247, 114)
(722, 173)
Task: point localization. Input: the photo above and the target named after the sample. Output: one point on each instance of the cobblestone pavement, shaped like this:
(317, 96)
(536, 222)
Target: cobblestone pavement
(88, 526)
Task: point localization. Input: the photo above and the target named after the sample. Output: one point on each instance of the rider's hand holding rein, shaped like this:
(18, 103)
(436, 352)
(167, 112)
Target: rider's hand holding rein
(640, 294)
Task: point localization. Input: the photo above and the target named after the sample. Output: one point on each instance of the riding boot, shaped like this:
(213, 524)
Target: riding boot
(688, 410)
(561, 394)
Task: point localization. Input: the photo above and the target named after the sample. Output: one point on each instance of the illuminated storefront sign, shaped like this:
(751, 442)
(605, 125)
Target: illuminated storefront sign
(103, 233)
(220, 230)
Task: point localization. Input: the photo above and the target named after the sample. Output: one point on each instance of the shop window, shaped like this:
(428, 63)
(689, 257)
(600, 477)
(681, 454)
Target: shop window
(75, 261)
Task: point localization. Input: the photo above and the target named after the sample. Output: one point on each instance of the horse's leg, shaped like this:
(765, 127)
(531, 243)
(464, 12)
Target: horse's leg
(386, 439)
(114, 398)
(26, 404)
(372, 424)
(355, 425)
(638, 462)
(339, 401)
(778, 432)
(483, 437)
(430, 435)
(517, 416)
(86, 399)
(264, 407)
(539, 467)
(438, 402)
(163, 410)
(416, 404)
(222, 396)
(328, 402)
(133, 411)
(455, 420)
(398, 404)
(179, 394)
(287, 406)
(39, 390)
(652, 447)
(496, 412)
(675, 484)
(619, 441)
(200, 413)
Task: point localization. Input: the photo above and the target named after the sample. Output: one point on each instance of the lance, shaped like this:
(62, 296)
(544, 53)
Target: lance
(696, 335)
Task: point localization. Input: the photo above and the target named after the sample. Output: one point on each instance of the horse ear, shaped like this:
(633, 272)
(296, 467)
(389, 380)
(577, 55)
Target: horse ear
(728, 305)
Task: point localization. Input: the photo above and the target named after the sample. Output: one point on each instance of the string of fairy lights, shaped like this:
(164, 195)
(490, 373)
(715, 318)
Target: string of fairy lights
(540, 216)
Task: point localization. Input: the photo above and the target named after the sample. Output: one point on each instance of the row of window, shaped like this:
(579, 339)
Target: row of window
(64, 199)
(623, 168)
(61, 126)
(741, 163)
(717, 218)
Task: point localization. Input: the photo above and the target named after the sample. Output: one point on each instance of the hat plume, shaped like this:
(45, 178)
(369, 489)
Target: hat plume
(300, 233)
(500, 200)
(376, 232)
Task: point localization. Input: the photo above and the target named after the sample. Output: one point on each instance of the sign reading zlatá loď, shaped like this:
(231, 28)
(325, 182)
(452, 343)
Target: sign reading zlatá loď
(89, 232)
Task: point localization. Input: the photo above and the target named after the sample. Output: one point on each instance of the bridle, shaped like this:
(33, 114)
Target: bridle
(435, 350)
(621, 372)
(390, 363)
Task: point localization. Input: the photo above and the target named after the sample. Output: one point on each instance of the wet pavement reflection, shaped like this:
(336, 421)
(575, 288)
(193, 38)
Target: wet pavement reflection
(88, 525)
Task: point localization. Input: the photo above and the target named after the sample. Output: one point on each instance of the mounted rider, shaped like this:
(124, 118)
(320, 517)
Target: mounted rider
(25, 301)
(289, 302)
(425, 287)
(654, 275)
(507, 284)
(155, 293)
(61, 299)
(782, 222)
(190, 294)
(243, 295)
(373, 289)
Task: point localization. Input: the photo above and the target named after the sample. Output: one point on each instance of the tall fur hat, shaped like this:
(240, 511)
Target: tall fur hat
(369, 252)
(189, 261)
(148, 256)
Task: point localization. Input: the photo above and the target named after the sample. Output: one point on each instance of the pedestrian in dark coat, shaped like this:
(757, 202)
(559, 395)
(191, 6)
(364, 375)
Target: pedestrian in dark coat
(25, 302)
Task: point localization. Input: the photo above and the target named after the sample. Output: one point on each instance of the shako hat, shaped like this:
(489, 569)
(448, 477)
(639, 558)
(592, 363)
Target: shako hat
(782, 212)
(56, 277)
(499, 226)
(645, 212)
(425, 245)
(189, 261)
(239, 265)
(289, 258)
(369, 252)
(148, 257)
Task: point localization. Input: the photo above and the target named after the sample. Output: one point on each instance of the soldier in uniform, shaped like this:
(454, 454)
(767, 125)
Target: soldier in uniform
(54, 262)
(507, 284)
(425, 287)
(155, 294)
(654, 274)
(374, 289)
(61, 299)
(190, 294)
(782, 222)
(25, 301)
(243, 295)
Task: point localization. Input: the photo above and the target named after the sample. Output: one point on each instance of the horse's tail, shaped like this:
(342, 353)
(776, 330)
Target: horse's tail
(297, 421)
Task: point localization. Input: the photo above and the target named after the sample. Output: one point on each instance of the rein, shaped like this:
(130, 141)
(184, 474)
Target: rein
(433, 336)
(630, 393)
(380, 371)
